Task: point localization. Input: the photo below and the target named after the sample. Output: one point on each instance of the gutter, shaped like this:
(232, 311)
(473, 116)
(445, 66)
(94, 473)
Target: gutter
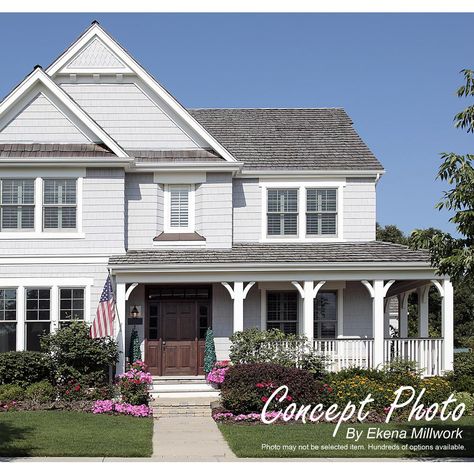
(306, 173)
(67, 162)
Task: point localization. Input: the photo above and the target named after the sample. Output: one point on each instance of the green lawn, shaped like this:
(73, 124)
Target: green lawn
(62, 433)
(315, 440)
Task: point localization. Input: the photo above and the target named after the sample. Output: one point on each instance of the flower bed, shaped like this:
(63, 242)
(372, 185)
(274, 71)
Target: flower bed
(217, 375)
(111, 407)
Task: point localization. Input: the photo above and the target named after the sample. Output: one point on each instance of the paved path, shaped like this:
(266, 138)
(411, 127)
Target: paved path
(183, 438)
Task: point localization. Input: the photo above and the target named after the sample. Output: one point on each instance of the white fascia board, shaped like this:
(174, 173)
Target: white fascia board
(186, 167)
(310, 173)
(65, 162)
(38, 76)
(96, 30)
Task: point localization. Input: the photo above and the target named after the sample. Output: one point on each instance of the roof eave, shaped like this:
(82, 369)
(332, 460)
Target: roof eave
(312, 172)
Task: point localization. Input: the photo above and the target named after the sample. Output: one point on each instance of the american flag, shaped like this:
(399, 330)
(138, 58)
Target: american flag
(103, 324)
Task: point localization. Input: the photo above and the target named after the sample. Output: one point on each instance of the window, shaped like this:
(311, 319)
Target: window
(71, 305)
(282, 212)
(325, 315)
(59, 204)
(282, 311)
(179, 208)
(38, 316)
(7, 320)
(17, 204)
(321, 211)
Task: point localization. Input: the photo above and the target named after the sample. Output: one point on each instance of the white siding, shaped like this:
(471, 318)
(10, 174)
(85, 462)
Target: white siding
(95, 55)
(129, 116)
(144, 210)
(214, 209)
(41, 122)
(357, 320)
(247, 202)
(102, 223)
(359, 209)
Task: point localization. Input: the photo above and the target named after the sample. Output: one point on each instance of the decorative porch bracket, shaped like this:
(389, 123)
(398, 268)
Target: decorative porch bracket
(378, 290)
(238, 294)
(308, 292)
(129, 290)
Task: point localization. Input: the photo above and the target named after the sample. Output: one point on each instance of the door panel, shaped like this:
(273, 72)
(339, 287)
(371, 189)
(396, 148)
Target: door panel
(179, 358)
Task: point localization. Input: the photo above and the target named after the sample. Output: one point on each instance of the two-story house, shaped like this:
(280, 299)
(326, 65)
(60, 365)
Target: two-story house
(222, 218)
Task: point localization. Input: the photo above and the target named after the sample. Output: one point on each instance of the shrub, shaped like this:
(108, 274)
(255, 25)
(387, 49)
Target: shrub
(218, 372)
(467, 399)
(247, 387)
(11, 393)
(40, 392)
(209, 352)
(462, 377)
(76, 356)
(133, 384)
(24, 368)
(253, 346)
(437, 389)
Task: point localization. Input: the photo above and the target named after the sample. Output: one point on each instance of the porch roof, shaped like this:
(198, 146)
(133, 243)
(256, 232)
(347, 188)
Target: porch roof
(257, 253)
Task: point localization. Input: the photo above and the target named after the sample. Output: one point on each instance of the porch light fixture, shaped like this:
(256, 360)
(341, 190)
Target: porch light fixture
(135, 313)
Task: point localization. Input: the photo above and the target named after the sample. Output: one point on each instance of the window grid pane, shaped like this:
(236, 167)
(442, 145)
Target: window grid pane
(321, 211)
(7, 305)
(17, 199)
(38, 304)
(71, 304)
(282, 212)
(179, 207)
(282, 311)
(59, 203)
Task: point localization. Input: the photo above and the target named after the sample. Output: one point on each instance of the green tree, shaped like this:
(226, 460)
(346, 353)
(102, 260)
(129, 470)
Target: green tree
(450, 255)
(390, 233)
(209, 352)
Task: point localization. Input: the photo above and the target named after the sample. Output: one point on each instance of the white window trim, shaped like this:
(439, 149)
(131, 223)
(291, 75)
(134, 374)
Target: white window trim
(302, 186)
(38, 233)
(191, 209)
(54, 284)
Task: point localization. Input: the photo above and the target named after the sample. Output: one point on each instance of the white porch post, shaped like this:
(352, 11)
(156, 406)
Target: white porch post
(308, 292)
(386, 325)
(120, 327)
(423, 312)
(20, 319)
(238, 293)
(377, 290)
(403, 315)
(447, 316)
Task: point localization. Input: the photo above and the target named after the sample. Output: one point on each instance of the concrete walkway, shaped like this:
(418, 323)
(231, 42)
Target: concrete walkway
(182, 438)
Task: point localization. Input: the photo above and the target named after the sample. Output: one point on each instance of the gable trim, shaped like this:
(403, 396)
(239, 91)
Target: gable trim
(38, 76)
(124, 56)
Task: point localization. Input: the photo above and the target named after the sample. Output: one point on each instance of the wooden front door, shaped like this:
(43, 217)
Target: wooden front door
(175, 333)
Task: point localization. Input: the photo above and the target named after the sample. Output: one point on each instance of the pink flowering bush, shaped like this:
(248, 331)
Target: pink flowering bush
(217, 375)
(133, 384)
(228, 416)
(111, 407)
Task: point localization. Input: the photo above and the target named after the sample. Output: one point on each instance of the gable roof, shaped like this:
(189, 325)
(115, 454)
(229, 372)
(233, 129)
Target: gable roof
(300, 139)
(47, 150)
(96, 33)
(52, 90)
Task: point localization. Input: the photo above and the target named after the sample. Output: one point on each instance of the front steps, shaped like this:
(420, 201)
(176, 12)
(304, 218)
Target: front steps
(180, 407)
(182, 387)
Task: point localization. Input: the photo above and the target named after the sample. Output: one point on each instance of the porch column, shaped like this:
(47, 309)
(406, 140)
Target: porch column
(423, 312)
(308, 292)
(447, 316)
(403, 315)
(377, 290)
(386, 326)
(120, 318)
(238, 293)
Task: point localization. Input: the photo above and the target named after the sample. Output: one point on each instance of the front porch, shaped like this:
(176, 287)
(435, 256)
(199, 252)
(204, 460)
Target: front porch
(348, 322)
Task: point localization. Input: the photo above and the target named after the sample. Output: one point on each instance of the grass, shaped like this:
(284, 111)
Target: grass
(62, 433)
(316, 440)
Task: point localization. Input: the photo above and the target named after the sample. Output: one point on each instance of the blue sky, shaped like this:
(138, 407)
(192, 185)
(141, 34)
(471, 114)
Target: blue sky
(395, 74)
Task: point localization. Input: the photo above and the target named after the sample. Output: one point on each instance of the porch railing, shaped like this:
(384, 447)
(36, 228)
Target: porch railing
(427, 353)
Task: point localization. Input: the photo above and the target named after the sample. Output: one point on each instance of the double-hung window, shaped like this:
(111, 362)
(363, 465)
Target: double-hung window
(17, 204)
(282, 311)
(38, 316)
(179, 208)
(7, 319)
(325, 315)
(321, 211)
(59, 204)
(71, 305)
(282, 212)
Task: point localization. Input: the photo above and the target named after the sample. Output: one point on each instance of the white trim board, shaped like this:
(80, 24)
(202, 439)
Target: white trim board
(95, 31)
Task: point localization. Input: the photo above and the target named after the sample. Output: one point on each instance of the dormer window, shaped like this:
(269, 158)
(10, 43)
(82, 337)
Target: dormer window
(179, 208)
